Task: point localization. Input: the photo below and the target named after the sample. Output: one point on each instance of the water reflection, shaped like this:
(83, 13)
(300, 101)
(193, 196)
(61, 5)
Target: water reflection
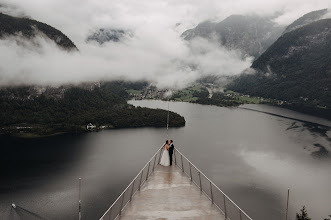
(252, 156)
(256, 157)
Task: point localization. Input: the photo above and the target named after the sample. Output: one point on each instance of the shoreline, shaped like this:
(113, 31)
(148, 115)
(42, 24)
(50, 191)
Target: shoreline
(35, 135)
(242, 106)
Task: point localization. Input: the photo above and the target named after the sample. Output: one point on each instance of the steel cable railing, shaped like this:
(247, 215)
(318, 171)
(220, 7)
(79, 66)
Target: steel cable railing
(116, 208)
(230, 209)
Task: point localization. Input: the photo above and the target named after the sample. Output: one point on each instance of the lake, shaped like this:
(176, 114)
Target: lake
(254, 157)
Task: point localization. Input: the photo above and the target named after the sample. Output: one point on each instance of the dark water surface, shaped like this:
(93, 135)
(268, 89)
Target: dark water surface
(253, 157)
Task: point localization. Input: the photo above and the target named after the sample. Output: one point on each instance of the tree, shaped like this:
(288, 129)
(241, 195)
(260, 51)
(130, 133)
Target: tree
(303, 215)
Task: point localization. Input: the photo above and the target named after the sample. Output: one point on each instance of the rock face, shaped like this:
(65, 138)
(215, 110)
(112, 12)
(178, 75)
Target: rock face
(296, 68)
(29, 28)
(105, 35)
(307, 19)
(250, 34)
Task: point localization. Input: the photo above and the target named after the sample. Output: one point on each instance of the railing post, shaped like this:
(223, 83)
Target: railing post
(225, 212)
(288, 195)
(154, 163)
(111, 208)
(175, 157)
(211, 193)
(132, 189)
(142, 172)
(79, 201)
(181, 158)
(200, 181)
(190, 171)
(122, 204)
(149, 164)
(240, 214)
(160, 156)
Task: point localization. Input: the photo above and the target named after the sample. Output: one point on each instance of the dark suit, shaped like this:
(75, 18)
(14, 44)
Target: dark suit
(171, 151)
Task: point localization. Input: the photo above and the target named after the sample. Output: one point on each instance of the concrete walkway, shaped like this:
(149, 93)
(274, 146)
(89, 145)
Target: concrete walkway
(169, 194)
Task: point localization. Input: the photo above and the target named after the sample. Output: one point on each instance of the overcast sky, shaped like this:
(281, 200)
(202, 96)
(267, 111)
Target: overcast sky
(155, 52)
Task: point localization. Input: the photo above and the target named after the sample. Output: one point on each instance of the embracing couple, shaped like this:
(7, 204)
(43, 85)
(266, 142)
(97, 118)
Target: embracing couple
(166, 158)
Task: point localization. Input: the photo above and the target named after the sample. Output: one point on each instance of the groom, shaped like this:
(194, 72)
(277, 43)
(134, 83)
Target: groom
(171, 151)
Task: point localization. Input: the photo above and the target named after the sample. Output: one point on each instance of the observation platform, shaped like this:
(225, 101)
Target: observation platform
(169, 194)
(180, 191)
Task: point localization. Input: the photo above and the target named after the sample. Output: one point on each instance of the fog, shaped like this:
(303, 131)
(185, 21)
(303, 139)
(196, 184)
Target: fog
(154, 52)
(175, 65)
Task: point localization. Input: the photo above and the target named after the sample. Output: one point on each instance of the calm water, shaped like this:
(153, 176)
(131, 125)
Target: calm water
(252, 156)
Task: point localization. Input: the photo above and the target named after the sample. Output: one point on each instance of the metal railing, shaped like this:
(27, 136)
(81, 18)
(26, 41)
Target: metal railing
(230, 209)
(116, 208)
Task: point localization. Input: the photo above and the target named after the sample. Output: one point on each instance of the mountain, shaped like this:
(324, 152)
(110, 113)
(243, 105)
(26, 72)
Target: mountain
(29, 28)
(105, 35)
(296, 68)
(204, 29)
(251, 34)
(307, 19)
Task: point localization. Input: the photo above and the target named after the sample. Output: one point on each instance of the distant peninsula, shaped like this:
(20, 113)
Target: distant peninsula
(27, 113)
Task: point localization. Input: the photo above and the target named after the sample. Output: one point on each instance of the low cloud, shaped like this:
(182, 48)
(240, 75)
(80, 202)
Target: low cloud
(155, 52)
(327, 15)
(41, 61)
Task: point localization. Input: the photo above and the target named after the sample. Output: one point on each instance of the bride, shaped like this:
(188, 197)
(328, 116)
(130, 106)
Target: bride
(165, 158)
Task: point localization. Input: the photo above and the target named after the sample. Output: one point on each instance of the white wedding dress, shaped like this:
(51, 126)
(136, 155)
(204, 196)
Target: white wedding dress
(165, 158)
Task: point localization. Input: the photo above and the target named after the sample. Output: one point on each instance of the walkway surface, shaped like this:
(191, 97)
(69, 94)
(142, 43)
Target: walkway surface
(169, 194)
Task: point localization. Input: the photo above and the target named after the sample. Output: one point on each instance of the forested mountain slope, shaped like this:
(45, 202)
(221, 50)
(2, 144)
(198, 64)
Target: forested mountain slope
(296, 68)
(29, 28)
